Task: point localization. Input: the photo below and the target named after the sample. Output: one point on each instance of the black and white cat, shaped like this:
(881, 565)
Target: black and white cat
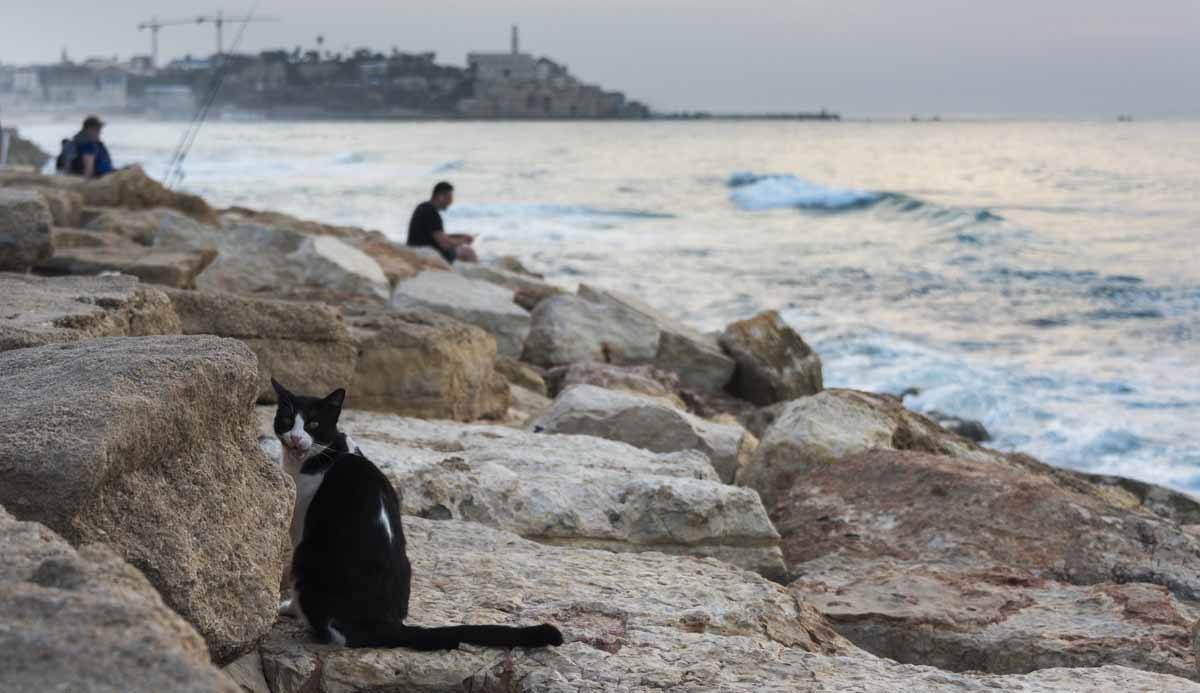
(350, 573)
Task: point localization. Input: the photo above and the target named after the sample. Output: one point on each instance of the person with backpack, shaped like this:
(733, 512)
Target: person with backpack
(85, 154)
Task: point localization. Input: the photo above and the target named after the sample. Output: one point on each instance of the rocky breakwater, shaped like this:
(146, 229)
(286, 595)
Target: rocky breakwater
(635, 510)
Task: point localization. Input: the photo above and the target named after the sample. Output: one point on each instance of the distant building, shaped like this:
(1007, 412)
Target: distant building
(169, 99)
(92, 89)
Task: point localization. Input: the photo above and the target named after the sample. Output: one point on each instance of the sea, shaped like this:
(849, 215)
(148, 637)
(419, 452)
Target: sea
(1041, 276)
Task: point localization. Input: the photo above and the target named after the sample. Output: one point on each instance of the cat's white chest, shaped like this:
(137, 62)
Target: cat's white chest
(306, 488)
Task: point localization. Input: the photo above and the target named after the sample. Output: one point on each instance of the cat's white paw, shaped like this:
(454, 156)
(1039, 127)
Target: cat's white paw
(287, 608)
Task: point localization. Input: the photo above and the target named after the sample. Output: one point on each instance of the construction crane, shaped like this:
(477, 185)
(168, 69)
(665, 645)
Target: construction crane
(219, 20)
(154, 25)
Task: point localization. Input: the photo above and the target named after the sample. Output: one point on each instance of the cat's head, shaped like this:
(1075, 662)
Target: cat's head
(307, 425)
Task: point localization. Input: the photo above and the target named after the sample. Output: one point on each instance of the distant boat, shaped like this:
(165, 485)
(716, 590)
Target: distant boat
(1124, 118)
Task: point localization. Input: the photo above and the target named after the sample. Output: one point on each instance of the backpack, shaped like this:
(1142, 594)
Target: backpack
(68, 160)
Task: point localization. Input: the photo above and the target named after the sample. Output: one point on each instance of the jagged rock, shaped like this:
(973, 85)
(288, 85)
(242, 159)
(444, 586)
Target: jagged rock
(24, 230)
(303, 345)
(632, 623)
(147, 444)
(22, 152)
(398, 262)
(696, 358)
(88, 621)
(646, 423)
(521, 374)
(774, 364)
(816, 431)
(339, 267)
(418, 363)
(526, 406)
(513, 281)
(510, 263)
(571, 490)
(568, 329)
(759, 419)
(475, 302)
(61, 237)
(971, 430)
(175, 269)
(998, 619)
(40, 310)
(247, 672)
(131, 188)
(641, 380)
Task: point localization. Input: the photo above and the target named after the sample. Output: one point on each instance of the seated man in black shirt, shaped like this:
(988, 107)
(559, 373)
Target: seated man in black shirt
(426, 229)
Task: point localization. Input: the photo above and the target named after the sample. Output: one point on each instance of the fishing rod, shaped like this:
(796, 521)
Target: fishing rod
(174, 174)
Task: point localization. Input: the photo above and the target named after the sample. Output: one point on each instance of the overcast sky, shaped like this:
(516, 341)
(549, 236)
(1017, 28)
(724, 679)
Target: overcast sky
(855, 56)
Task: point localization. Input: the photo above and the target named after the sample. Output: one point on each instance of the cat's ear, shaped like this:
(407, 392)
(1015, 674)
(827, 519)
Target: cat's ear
(280, 391)
(335, 398)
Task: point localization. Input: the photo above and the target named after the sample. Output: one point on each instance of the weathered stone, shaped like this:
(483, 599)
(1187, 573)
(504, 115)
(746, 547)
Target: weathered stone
(997, 619)
(398, 262)
(696, 358)
(773, 362)
(971, 430)
(759, 419)
(24, 230)
(646, 423)
(66, 206)
(281, 263)
(568, 329)
(475, 302)
(174, 269)
(40, 310)
(819, 430)
(466, 573)
(131, 188)
(302, 345)
(61, 237)
(147, 444)
(247, 672)
(513, 281)
(22, 152)
(640, 380)
(632, 623)
(569, 490)
(417, 363)
(964, 512)
(87, 621)
(518, 373)
(526, 406)
(141, 226)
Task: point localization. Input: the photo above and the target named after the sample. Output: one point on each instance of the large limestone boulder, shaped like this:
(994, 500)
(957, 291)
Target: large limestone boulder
(513, 281)
(24, 230)
(147, 444)
(418, 363)
(632, 623)
(142, 226)
(998, 619)
(568, 329)
(647, 423)
(639, 380)
(167, 268)
(774, 364)
(66, 206)
(820, 430)
(697, 359)
(131, 188)
(88, 621)
(40, 310)
(566, 490)
(303, 345)
(475, 302)
(464, 572)
(278, 262)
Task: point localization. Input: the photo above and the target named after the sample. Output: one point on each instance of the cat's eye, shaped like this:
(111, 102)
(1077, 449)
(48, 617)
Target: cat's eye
(312, 425)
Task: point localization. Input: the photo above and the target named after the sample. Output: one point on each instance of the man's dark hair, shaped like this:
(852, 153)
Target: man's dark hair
(442, 188)
(92, 122)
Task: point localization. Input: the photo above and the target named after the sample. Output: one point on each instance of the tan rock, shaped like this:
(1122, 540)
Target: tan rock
(66, 206)
(131, 188)
(148, 445)
(40, 310)
(417, 363)
(640, 380)
(141, 226)
(24, 230)
(88, 621)
(305, 346)
(774, 364)
(62, 237)
(475, 302)
(568, 329)
(522, 374)
(167, 268)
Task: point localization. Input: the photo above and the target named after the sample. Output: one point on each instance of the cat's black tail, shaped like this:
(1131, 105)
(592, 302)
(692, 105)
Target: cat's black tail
(450, 637)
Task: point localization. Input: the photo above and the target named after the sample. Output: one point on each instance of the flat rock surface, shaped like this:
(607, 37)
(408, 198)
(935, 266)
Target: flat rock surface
(568, 329)
(631, 623)
(41, 310)
(176, 269)
(25, 223)
(472, 301)
(147, 444)
(87, 621)
(569, 490)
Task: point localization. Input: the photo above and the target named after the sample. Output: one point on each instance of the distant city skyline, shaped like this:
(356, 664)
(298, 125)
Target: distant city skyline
(1071, 57)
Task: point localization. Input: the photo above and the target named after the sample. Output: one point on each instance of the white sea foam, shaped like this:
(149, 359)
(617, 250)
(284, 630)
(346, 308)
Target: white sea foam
(757, 192)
